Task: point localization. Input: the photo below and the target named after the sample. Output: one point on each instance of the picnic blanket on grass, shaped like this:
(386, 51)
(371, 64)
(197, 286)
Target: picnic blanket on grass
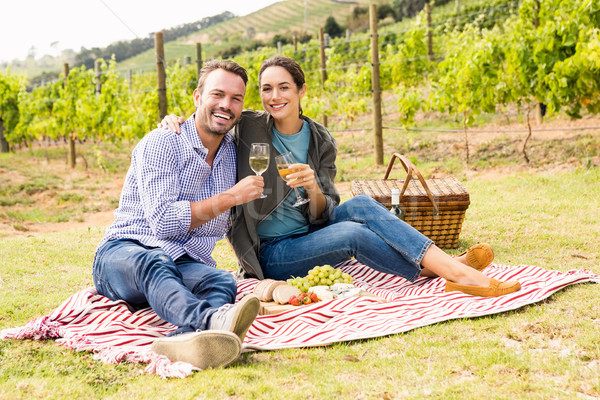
(89, 321)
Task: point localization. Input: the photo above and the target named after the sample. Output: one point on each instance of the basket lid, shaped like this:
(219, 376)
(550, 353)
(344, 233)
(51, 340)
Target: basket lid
(447, 189)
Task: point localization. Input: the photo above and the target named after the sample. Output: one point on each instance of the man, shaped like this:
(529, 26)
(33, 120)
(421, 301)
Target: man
(174, 207)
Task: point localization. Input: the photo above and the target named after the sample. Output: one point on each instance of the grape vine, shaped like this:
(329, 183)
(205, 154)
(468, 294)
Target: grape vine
(539, 52)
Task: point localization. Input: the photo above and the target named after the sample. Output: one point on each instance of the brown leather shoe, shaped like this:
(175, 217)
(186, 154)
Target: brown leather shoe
(479, 256)
(495, 289)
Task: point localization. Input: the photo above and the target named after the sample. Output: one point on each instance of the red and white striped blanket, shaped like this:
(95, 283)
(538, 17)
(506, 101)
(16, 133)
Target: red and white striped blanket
(88, 321)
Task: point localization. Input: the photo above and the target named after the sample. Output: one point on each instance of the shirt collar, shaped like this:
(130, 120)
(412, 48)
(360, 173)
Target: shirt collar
(191, 133)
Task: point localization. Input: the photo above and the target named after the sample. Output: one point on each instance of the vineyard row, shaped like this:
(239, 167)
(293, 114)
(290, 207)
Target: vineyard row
(545, 52)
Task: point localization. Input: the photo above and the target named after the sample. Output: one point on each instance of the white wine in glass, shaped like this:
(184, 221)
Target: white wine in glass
(283, 167)
(259, 159)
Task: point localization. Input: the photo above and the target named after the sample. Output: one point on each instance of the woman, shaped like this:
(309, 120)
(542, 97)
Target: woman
(273, 239)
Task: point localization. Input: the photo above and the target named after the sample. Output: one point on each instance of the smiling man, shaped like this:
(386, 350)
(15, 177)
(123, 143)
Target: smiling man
(174, 207)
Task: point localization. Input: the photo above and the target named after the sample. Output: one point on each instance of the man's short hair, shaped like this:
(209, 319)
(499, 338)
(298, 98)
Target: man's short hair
(228, 66)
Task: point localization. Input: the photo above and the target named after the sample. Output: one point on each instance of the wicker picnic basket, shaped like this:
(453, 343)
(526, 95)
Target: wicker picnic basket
(435, 207)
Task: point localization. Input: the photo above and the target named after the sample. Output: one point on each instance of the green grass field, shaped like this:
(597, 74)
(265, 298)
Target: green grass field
(538, 215)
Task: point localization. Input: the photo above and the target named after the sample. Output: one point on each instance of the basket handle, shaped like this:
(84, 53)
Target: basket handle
(410, 168)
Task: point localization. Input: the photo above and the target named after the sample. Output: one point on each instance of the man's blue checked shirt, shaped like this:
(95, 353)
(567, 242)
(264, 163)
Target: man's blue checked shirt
(167, 172)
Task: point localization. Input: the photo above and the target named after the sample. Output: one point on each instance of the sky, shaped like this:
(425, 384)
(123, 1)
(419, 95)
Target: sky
(52, 26)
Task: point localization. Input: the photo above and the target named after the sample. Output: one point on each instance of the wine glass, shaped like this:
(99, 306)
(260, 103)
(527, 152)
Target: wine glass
(283, 167)
(259, 159)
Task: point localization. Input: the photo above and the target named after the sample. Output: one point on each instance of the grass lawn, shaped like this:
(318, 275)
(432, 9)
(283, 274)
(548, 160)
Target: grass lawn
(547, 350)
(545, 214)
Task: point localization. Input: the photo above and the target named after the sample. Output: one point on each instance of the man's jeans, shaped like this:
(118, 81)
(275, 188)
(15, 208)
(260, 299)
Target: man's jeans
(361, 228)
(183, 292)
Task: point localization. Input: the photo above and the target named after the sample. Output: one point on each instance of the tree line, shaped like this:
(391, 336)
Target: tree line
(125, 49)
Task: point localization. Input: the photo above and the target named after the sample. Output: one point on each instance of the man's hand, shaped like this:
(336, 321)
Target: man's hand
(172, 122)
(248, 189)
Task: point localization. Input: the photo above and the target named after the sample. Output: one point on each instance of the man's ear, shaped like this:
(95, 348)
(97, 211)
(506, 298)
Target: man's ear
(196, 97)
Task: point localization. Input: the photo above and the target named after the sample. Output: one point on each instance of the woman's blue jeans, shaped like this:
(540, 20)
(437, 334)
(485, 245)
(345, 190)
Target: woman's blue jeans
(183, 292)
(361, 228)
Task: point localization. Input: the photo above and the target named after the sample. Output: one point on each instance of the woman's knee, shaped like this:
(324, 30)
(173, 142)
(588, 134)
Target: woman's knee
(359, 207)
(363, 201)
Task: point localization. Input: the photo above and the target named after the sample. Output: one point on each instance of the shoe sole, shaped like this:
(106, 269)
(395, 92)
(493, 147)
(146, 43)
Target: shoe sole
(245, 314)
(206, 349)
(474, 261)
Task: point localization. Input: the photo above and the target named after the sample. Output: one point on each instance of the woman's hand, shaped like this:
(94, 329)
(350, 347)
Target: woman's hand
(302, 175)
(172, 122)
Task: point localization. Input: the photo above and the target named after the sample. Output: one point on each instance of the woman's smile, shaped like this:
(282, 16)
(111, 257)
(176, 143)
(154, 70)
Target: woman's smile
(278, 106)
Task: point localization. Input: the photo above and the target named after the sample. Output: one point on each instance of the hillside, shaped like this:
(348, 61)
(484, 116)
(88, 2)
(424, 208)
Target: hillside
(301, 16)
(290, 15)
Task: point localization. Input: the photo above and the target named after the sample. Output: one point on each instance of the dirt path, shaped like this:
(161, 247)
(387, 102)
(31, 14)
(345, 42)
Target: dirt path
(100, 219)
(94, 193)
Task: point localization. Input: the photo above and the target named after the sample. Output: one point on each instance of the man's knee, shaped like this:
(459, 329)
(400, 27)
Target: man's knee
(217, 279)
(228, 282)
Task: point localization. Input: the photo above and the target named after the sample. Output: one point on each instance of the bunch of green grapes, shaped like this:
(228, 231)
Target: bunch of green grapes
(324, 275)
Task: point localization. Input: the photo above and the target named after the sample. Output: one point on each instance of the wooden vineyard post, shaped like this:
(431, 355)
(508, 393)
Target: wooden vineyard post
(348, 36)
(187, 60)
(98, 77)
(376, 87)
(4, 146)
(159, 47)
(429, 30)
(71, 135)
(538, 107)
(198, 60)
(323, 62)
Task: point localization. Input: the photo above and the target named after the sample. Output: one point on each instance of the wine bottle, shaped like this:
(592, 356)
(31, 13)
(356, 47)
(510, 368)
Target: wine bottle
(396, 210)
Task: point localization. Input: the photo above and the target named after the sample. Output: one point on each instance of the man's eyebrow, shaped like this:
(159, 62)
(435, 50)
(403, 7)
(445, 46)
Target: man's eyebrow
(221, 91)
